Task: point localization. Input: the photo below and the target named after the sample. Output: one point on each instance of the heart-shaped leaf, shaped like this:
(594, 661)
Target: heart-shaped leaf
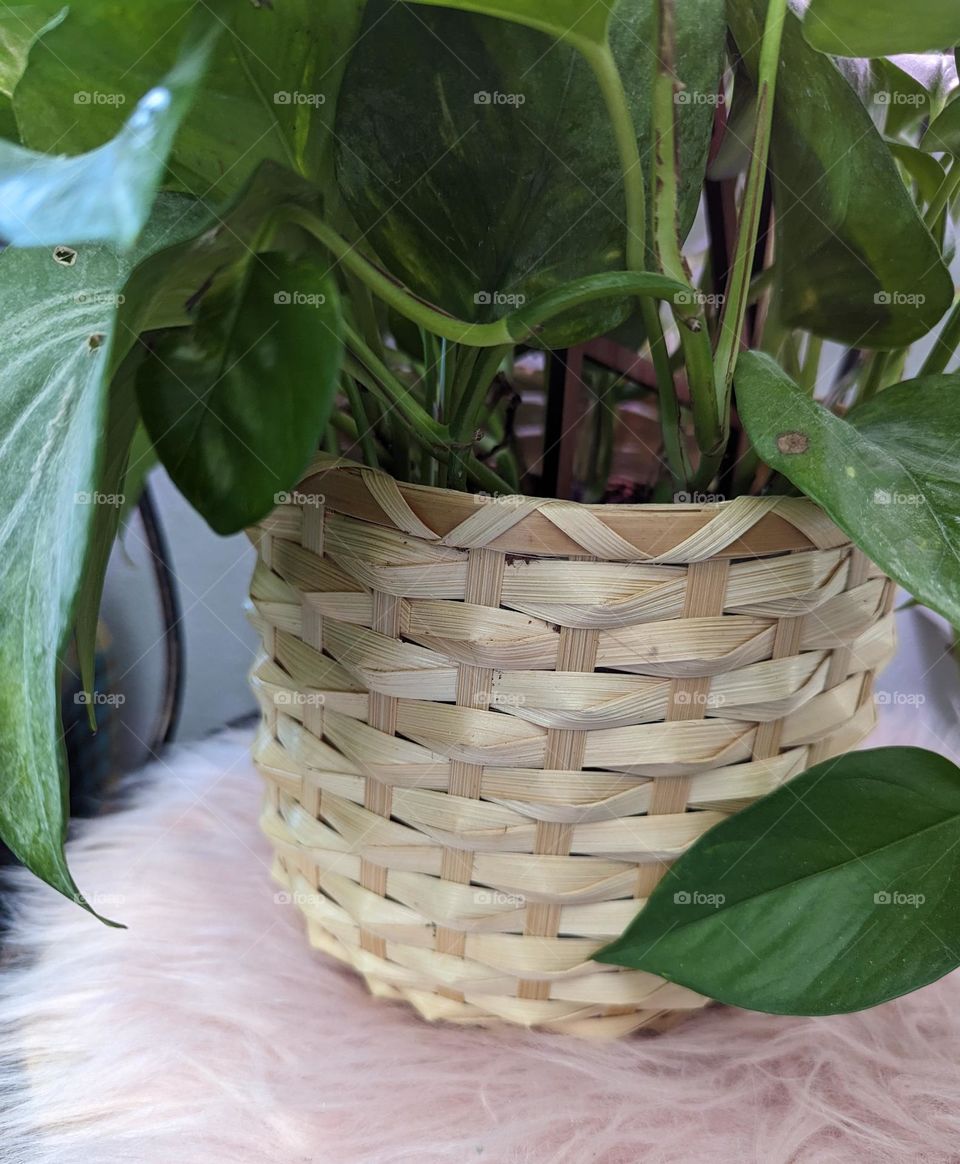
(59, 309)
(478, 160)
(850, 28)
(237, 403)
(888, 474)
(104, 195)
(860, 266)
(834, 893)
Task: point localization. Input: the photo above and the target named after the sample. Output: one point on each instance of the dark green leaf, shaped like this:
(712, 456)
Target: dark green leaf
(478, 161)
(834, 893)
(851, 28)
(59, 322)
(237, 403)
(294, 55)
(859, 266)
(163, 290)
(888, 475)
(104, 195)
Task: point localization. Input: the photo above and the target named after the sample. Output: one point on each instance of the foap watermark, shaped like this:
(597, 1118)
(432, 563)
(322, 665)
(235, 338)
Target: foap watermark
(685, 498)
(899, 698)
(100, 900)
(697, 97)
(99, 299)
(695, 897)
(298, 299)
(511, 500)
(694, 298)
(310, 500)
(698, 699)
(891, 497)
(498, 897)
(99, 699)
(286, 97)
(895, 897)
(484, 97)
(299, 699)
(85, 97)
(297, 897)
(499, 299)
(504, 698)
(887, 97)
(899, 299)
(95, 497)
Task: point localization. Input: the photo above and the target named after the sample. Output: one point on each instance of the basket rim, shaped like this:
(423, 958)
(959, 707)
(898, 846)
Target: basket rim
(650, 532)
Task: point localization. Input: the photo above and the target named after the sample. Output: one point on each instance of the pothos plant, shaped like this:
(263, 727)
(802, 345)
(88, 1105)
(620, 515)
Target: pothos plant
(240, 230)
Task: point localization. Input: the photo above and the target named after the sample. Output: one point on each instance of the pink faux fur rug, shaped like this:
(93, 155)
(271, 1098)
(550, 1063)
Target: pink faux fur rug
(208, 1033)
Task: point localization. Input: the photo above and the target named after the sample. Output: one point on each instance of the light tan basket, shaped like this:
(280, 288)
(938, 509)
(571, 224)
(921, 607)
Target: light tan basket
(489, 724)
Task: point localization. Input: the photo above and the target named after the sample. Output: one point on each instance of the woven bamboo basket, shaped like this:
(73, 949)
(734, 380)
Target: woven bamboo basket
(490, 724)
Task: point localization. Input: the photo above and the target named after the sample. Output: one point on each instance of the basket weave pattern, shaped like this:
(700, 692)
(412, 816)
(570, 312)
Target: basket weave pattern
(490, 724)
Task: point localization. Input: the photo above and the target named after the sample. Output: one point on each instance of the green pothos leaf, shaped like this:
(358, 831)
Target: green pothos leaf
(59, 308)
(834, 893)
(478, 159)
(237, 403)
(887, 473)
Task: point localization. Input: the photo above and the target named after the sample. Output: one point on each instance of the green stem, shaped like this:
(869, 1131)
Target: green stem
(397, 393)
(464, 421)
(396, 296)
(811, 364)
(621, 120)
(943, 197)
(945, 346)
(670, 419)
(875, 377)
(706, 471)
(364, 434)
(600, 59)
(711, 432)
(735, 308)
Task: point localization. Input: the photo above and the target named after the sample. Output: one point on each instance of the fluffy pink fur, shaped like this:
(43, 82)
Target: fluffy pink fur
(209, 1032)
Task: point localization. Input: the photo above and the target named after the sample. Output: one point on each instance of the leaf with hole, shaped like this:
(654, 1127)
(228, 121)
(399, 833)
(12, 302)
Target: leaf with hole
(888, 474)
(59, 327)
(832, 894)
